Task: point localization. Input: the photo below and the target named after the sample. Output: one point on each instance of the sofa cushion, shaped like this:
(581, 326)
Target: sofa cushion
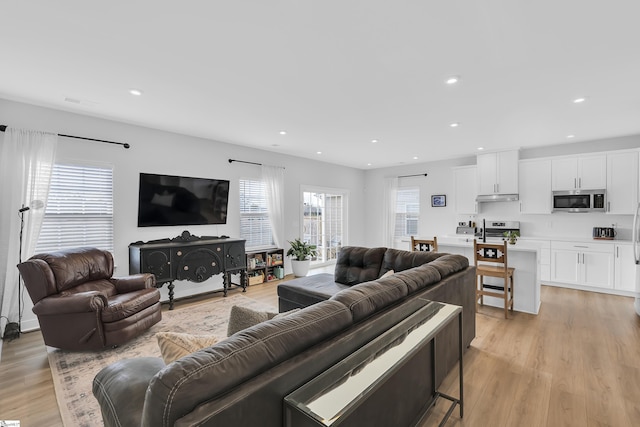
(450, 263)
(122, 306)
(367, 298)
(356, 265)
(419, 277)
(399, 260)
(242, 318)
(178, 388)
(75, 266)
(309, 290)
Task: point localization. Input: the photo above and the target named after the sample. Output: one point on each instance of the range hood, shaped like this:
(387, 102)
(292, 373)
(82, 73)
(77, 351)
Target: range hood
(496, 198)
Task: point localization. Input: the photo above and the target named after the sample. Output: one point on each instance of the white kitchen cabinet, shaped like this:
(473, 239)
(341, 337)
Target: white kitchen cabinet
(465, 189)
(585, 264)
(579, 173)
(545, 261)
(622, 182)
(535, 186)
(625, 268)
(498, 172)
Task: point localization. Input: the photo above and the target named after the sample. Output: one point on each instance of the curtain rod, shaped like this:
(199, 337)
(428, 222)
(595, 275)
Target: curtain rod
(251, 163)
(408, 176)
(124, 144)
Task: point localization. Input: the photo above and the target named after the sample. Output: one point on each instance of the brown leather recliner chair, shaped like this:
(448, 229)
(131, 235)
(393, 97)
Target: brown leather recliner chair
(81, 307)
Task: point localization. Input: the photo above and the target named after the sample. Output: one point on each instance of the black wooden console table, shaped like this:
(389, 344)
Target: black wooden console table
(190, 258)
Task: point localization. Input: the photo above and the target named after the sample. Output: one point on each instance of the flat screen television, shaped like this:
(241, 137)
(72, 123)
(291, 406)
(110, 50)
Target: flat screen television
(178, 200)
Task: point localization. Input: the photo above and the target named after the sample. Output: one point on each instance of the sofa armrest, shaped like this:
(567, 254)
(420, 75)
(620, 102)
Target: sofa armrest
(120, 389)
(81, 302)
(134, 282)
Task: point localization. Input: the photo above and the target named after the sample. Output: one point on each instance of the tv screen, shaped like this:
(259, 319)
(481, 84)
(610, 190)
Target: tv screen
(179, 200)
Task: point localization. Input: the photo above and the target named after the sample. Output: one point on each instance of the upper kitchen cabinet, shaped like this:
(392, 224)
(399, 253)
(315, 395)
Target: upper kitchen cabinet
(465, 191)
(579, 173)
(622, 182)
(498, 172)
(535, 186)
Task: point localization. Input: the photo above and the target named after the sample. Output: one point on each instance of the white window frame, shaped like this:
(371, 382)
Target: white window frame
(344, 219)
(256, 214)
(403, 214)
(91, 222)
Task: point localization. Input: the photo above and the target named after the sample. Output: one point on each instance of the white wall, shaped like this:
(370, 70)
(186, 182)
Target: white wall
(157, 151)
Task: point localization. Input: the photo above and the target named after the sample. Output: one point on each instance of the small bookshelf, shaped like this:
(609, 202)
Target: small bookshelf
(265, 265)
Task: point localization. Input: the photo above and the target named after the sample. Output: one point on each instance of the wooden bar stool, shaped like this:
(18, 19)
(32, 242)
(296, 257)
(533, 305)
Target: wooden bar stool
(491, 260)
(424, 245)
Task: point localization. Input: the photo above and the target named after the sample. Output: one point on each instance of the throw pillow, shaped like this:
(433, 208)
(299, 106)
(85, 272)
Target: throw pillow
(242, 318)
(174, 345)
(387, 274)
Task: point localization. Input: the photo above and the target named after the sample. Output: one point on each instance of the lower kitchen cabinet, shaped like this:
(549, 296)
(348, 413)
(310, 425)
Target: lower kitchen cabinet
(625, 265)
(583, 264)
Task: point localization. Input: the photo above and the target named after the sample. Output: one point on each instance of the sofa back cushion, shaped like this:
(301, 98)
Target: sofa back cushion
(72, 267)
(214, 371)
(367, 298)
(399, 260)
(357, 264)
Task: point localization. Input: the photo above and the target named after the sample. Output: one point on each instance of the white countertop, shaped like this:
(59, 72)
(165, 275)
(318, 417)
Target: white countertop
(452, 238)
(467, 241)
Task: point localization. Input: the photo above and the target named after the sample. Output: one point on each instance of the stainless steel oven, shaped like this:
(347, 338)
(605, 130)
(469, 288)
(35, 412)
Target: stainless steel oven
(579, 201)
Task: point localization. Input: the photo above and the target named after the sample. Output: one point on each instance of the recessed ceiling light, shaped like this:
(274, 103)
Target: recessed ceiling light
(579, 100)
(480, 148)
(415, 157)
(368, 164)
(318, 152)
(373, 141)
(571, 136)
(136, 92)
(452, 80)
(283, 132)
(454, 125)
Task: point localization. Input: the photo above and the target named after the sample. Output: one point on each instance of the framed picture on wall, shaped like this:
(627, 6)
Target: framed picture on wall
(438, 201)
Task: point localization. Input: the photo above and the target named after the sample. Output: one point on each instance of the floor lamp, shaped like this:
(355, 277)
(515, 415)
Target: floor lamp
(13, 329)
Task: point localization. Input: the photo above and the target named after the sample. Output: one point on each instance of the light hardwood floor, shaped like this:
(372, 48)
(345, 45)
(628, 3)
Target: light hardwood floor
(575, 364)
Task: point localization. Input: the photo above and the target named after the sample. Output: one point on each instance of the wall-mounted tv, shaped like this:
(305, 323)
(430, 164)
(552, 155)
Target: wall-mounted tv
(178, 200)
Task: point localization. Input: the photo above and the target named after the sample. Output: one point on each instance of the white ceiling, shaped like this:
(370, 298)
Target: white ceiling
(335, 74)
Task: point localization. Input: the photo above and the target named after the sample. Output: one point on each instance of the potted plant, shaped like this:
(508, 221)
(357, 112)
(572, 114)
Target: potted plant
(512, 236)
(301, 253)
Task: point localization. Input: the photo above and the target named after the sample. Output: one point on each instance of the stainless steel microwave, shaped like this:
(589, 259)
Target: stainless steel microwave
(579, 201)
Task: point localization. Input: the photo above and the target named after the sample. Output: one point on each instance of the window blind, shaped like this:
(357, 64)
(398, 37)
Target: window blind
(255, 227)
(79, 209)
(407, 212)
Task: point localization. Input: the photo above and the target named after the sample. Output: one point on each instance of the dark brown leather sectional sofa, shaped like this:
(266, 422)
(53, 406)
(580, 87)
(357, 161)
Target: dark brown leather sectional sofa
(242, 380)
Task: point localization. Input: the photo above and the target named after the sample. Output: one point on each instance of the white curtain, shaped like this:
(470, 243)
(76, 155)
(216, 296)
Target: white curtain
(273, 178)
(26, 162)
(389, 211)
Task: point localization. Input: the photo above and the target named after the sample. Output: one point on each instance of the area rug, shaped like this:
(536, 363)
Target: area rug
(73, 372)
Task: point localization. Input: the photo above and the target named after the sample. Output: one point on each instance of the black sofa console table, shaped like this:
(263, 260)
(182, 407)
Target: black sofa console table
(191, 258)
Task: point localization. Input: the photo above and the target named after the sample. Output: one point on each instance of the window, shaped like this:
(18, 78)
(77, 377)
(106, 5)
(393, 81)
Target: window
(407, 212)
(79, 209)
(323, 222)
(255, 227)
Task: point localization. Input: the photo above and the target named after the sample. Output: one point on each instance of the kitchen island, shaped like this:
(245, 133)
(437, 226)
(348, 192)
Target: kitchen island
(524, 256)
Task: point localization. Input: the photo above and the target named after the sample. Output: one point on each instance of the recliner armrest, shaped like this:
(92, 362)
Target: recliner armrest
(134, 282)
(64, 303)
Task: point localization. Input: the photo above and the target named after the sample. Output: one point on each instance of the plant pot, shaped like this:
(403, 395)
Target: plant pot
(300, 268)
